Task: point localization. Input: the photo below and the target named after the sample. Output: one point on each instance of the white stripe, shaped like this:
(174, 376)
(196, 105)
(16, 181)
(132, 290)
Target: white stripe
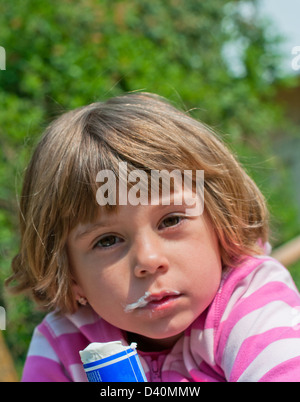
(39, 346)
(110, 362)
(69, 323)
(273, 315)
(59, 325)
(202, 342)
(85, 315)
(273, 355)
(77, 372)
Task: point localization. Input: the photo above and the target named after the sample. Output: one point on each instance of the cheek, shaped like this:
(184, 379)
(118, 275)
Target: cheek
(107, 297)
(105, 289)
(203, 252)
(102, 297)
(205, 276)
(97, 284)
(203, 270)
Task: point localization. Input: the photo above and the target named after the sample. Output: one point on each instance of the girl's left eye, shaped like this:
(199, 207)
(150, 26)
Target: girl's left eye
(170, 221)
(107, 241)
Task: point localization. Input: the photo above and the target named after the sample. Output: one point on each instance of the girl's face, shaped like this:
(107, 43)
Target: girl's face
(147, 269)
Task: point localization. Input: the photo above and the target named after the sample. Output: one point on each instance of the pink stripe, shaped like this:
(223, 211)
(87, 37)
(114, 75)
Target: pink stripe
(199, 376)
(200, 323)
(214, 371)
(66, 346)
(254, 345)
(173, 376)
(288, 371)
(41, 369)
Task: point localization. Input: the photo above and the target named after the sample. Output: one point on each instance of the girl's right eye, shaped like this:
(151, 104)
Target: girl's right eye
(107, 241)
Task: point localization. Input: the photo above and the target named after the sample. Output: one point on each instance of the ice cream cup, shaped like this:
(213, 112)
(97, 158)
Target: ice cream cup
(112, 362)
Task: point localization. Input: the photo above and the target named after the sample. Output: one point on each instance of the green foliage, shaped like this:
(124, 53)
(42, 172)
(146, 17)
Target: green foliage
(65, 53)
(295, 272)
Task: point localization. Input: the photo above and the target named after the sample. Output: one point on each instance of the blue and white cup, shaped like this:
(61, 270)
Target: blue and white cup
(112, 362)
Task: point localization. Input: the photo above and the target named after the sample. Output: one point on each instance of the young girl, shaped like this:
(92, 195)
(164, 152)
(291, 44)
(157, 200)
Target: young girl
(197, 292)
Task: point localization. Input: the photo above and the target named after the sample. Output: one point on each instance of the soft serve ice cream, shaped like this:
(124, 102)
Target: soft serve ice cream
(112, 361)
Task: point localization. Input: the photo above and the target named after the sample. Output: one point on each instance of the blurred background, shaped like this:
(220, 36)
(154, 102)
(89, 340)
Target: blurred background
(233, 64)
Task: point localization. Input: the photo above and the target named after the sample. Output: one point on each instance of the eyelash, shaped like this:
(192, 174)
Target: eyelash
(179, 218)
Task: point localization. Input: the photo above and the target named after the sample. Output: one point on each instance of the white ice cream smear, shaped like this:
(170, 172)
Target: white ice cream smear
(140, 303)
(96, 350)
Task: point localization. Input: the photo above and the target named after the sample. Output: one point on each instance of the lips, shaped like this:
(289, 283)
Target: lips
(162, 303)
(161, 297)
(154, 301)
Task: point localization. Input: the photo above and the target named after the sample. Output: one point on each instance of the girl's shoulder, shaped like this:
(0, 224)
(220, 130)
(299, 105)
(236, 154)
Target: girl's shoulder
(253, 273)
(56, 324)
(54, 349)
(261, 279)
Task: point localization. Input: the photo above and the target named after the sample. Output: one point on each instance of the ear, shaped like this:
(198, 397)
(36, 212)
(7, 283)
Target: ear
(78, 291)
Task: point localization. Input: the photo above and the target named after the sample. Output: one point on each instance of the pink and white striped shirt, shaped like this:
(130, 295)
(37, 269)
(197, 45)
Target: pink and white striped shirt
(249, 333)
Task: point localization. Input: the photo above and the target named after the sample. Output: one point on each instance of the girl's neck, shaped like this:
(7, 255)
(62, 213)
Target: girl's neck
(151, 345)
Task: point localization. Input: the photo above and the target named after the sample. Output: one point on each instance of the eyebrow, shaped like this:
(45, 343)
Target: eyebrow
(90, 229)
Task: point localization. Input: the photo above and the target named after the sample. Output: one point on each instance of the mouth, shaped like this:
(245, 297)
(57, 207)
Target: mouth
(154, 301)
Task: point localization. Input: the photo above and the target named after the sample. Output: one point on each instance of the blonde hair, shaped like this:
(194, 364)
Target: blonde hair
(59, 189)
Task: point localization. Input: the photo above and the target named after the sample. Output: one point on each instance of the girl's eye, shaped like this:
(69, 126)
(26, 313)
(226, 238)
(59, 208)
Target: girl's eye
(107, 241)
(170, 221)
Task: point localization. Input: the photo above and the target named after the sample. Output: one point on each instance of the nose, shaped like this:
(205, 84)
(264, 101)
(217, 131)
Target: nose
(149, 256)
